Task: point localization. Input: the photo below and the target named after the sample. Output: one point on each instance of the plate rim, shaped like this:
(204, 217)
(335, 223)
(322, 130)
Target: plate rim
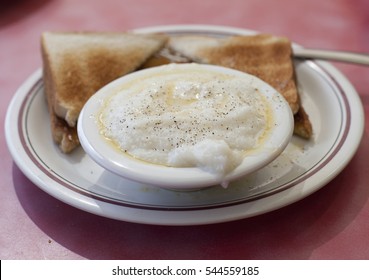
(355, 137)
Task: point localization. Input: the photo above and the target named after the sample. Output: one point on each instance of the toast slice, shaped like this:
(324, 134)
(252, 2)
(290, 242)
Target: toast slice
(265, 56)
(77, 64)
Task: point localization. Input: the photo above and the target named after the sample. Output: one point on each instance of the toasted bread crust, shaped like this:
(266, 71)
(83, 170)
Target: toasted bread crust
(302, 125)
(63, 135)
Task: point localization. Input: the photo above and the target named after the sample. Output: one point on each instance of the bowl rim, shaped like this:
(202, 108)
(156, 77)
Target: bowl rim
(115, 161)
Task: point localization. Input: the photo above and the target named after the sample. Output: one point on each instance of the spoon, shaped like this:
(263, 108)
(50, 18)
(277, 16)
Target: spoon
(342, 56)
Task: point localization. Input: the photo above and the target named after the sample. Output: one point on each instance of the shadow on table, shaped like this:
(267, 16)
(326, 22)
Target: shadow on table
(13, 10)
(293, 232)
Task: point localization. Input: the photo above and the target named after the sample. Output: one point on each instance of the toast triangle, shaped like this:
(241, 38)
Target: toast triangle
(265, 56)
(77, 64)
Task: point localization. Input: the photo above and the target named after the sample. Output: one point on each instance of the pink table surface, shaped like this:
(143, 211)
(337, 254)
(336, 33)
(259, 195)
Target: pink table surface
(333, 223)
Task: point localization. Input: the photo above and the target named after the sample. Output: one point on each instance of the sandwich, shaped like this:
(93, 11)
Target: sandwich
(77, 64)
(266, 56)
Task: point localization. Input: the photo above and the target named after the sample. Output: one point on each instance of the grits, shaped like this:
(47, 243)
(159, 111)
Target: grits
(187, 118)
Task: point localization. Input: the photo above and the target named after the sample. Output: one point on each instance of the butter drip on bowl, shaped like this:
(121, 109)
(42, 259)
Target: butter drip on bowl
(187, 117)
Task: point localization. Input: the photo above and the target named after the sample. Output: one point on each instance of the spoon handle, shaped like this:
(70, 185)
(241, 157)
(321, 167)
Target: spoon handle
(341, 56)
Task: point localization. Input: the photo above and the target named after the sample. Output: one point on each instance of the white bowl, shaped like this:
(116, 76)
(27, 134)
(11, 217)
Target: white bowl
(181, 178)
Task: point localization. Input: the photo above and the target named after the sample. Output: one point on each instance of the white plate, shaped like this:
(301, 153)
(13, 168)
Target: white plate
(331, 101)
